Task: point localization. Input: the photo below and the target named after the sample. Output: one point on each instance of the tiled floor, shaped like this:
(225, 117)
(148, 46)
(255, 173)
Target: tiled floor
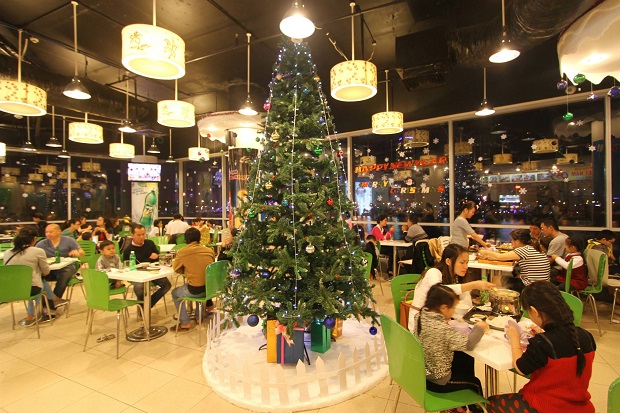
(54, 375)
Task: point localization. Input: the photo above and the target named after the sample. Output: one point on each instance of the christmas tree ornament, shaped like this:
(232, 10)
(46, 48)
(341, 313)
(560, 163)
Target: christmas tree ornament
(253, 320)
(310, 249)
(562, 85)
(372, 330)
(321, 120)
(568, 116)
(235, 273)
(285, 202)
(592, 97)
(268, 185)
(267, 105)
(330, 322)
(579, 78)
(265, 273)
(306, 91)
(340, 153)
(275, 136)
(252, 213)
(279, 76)
(614, 92)
(317, 78)
(318, 150)
(329, 202)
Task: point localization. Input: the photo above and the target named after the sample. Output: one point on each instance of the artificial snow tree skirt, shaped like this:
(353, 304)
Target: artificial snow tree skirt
(237, 370)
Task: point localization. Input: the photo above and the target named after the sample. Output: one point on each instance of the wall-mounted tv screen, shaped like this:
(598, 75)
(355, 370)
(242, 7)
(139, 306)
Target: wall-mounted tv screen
(148, 172)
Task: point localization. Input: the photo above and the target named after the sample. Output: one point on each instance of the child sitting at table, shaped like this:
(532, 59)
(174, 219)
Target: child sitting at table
(447, 367)
(558, 359)
(371, 247)
(579, 274)
(109, 260)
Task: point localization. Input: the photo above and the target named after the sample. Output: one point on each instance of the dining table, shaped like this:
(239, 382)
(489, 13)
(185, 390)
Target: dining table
(65, 261)
(395, 244)
(145, 275)
(490, 266)
(166, 247)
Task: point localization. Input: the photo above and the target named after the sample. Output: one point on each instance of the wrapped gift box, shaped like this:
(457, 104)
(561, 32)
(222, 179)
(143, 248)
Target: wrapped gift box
(320, 337)
(290, 353)
(337, 330)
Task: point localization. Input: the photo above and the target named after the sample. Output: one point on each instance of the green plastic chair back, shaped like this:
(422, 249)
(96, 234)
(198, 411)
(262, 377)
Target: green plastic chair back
(215, 277)
(180, 239)
(6, 246)
(407, 369)
(89, 247)
(179, 246)
(159, 239)
(400, 286)
(613, 397)
(97, 285)
(117, 248)
(569, 271)
(213, 242)
(600, 272)
(575, 304)
(15, 283)
(368, 268)
(91, 260)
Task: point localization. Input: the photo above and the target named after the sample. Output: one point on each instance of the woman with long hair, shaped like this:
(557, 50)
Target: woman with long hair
(558, 358)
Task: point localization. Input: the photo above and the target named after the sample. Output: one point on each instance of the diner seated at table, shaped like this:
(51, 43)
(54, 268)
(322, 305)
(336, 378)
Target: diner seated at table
(579, 272)
(450, 271)
(108, 261)
(205, 231)
(70, 228)
(158, 229)
(532, 264)
(103, 229)
(176, 226)
(191, 260)
(67, 247)
(558, 358)
(448, 368)
(146, 251)
(25, 253)
(39, 219)
(227, 242)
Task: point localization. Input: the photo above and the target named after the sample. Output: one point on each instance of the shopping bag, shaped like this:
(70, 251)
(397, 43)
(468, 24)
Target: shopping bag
(405, 307)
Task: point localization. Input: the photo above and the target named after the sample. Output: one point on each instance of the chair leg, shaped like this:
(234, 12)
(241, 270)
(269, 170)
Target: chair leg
(36, 314)
(595, 311)
(397, 399)
(613, 306)
(201, 311)
(90, 316)
(165, 305)
(13, 314)
(514, 382)
(118, 331)
(176, 330)
(47, 305)
(69, 297)
(381, 286)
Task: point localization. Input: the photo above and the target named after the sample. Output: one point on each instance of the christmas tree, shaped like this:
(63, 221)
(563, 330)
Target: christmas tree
(466, 188)
(296, 260)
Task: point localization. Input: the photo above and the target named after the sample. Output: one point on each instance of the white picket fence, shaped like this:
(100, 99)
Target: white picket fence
(249, 381)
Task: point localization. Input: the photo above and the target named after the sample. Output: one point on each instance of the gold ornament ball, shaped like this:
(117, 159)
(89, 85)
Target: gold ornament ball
(275, 136)
(310, 249)
(279, 76)
(268, 185)
(317, 78)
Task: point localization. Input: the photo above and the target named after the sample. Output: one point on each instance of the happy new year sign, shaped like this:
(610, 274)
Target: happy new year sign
(401, 164)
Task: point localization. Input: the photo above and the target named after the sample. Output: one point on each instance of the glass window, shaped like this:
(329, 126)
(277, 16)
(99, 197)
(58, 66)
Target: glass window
(203, 188)
(169, 190)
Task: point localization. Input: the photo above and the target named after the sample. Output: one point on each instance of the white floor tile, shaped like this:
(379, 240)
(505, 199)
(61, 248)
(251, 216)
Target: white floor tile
(51, 399)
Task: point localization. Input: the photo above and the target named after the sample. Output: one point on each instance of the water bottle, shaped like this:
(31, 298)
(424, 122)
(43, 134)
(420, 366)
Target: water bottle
(484, 294)
(57, 255)
(132, 261)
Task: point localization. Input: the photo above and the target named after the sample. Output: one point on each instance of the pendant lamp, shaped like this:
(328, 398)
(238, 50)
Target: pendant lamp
(353, 80)
(247, 108)
(20, 98)
(28, 146)
(152, 51)
(388, 122)
(170, 158)
(76, 89)
(153, 148)
(122, 150)
(485, 109)
(84, 132)
(63, 153)
(126, 125)
(295, 23)
(506, 51)
(53, 142)
(2, 152)
(176, 113)
(197, 153)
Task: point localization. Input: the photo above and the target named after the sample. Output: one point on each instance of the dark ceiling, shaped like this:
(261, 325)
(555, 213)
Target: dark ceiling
(437, 46)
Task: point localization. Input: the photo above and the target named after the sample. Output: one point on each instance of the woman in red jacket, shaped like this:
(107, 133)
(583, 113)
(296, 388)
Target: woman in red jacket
(558, 358)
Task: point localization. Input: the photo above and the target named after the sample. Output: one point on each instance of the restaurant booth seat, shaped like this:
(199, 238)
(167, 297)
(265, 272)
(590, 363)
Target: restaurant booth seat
(407, 369)
(15, 285)
(98, 298)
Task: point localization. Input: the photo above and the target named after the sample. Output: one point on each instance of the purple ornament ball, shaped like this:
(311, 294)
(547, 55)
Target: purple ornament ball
(253, 320)
(329, 322)
(372, 330)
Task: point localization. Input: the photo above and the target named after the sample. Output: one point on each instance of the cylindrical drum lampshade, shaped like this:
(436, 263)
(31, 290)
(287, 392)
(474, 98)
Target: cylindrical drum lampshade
(547, 145)
(2, 152)
(83, 132)
(19, 98)
(197, 153)
(353, 80)
(415, 138)
(385, 123)
(153, 52)
(122, 150)
(460, 148)
(502, 159)
(176, 114)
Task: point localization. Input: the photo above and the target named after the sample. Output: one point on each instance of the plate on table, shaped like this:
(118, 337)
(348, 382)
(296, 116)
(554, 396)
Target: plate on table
(496, 322)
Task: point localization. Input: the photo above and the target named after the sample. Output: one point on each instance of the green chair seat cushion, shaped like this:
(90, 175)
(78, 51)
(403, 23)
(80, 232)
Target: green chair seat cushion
(121, 290)
(119, 304)
(443, 401)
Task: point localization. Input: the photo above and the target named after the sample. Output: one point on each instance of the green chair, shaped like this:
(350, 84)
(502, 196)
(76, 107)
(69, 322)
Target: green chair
(400, 286)
(91, 261)
(117, 247)
(597, 264)
(89, 247)
(159, 239)
(215, 276)
(98, 298)
(15, 285)
(124, 234)
(368, 270)
(6, 246)
(613, 397)
(180, 239)
(407, 369)
(178, 247)
(213, 243)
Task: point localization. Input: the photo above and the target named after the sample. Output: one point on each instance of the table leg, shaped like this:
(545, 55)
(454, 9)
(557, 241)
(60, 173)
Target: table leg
(491, 381)
(395, 260)
(147, 332)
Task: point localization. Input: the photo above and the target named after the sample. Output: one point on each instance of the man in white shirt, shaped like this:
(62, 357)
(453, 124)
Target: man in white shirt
(176, 226)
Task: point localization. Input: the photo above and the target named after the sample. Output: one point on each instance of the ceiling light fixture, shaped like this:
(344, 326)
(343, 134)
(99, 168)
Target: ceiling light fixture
(64, 154)
(28, 146)
(170, 158)
(152, 51)
(506, 52)
(197, 153)
(76, 89)
(2, 152)
(353, 80)
(295, 23)
(485, 108)
(53, 142)
(126, 125)
(247, 108)
(176, 113)
(84, 132)
(153, 148)
(20, 98)
(122, 150)
(388, 122)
